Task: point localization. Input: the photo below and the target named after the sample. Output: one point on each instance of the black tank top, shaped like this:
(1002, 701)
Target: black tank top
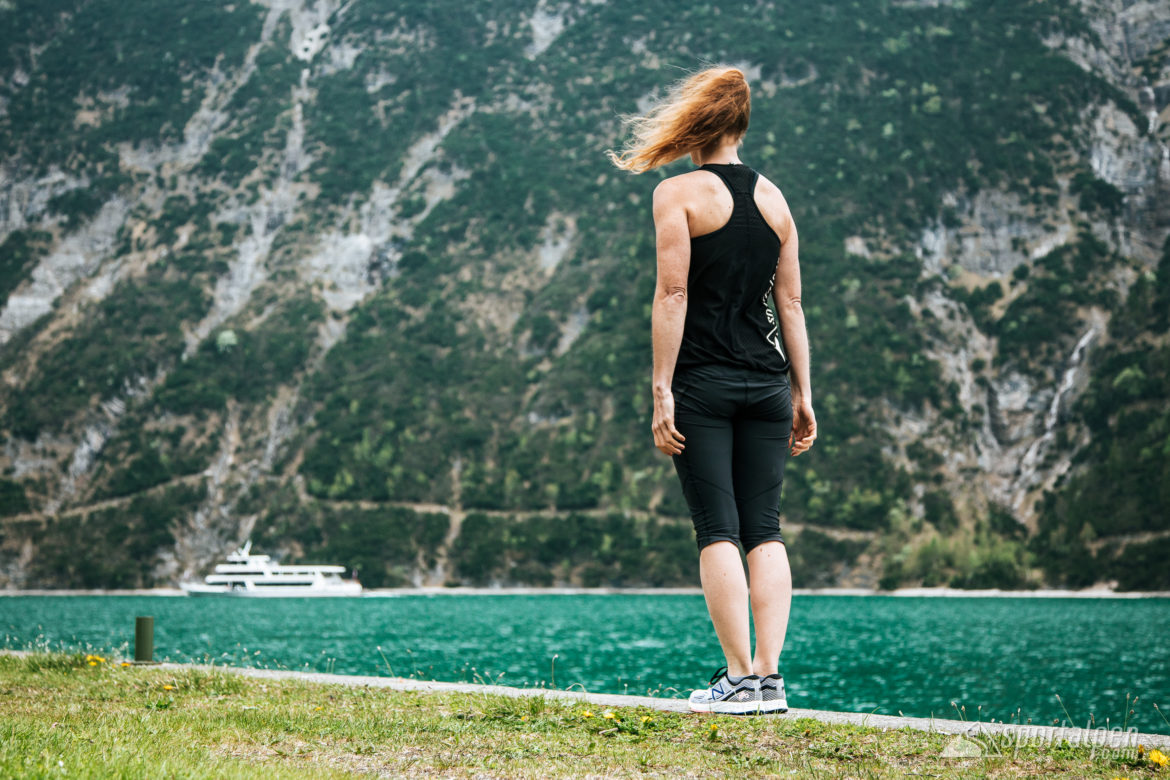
(731, 276)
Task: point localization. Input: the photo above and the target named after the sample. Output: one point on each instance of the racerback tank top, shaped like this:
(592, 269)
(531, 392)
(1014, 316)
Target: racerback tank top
(731, 275)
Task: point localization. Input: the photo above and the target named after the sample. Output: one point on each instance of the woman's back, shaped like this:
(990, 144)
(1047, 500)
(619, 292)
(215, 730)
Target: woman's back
(734, 251)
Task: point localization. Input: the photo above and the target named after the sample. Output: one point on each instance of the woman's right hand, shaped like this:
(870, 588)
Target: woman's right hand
(804, 427)
(666, 436)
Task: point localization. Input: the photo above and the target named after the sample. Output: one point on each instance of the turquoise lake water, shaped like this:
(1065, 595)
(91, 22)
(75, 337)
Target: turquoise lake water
(852, 653)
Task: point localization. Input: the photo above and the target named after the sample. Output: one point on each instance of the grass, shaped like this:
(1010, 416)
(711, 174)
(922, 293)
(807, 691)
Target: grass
(78, 715)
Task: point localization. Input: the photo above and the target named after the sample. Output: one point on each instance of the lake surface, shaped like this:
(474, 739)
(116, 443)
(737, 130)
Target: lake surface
(883, 654)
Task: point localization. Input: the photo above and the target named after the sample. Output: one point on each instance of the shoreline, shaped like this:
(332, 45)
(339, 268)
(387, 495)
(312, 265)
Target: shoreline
(1040, 733)
(1089, 593)
(219, 721)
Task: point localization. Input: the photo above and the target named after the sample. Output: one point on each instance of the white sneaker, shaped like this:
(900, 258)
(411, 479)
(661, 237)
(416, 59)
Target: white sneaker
(772, 697)
(741, 697)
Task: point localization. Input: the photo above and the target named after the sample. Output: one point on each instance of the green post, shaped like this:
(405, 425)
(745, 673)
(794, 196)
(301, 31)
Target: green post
(143, 640)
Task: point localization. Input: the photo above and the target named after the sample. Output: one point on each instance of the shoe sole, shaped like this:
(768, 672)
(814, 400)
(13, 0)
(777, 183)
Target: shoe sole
(727, 707)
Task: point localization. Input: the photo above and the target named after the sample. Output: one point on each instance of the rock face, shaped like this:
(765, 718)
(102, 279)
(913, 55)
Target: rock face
(997, 233)
(78, 260)
(358, 281)
(1128, 37)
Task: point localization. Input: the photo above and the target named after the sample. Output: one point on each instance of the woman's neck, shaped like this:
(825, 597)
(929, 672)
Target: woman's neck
(724, 154)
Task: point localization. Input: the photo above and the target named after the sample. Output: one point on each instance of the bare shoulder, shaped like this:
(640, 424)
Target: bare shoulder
(666, 189)
(772, 204)
(680, 185)
(679, 192)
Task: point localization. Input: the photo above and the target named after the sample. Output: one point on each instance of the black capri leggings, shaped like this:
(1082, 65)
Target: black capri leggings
(736, 422)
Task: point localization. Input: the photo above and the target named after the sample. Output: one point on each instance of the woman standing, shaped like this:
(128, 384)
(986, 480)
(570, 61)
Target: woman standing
(724, 408)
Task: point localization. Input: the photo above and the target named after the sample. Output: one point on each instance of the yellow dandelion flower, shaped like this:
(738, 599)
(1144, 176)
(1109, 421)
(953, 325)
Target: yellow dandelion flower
(714, 727)
(607, 715)
(647, 719)
(586, 714)
(1159, 758)
(93, 663)
(168, 687)
(523, 718)
(125, 663)
(318, 709)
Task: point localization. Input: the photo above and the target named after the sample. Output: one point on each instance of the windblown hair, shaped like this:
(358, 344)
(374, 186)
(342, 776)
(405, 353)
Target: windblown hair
(698, 112)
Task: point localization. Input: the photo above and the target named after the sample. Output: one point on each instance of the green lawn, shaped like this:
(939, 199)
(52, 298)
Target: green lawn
(77, 716)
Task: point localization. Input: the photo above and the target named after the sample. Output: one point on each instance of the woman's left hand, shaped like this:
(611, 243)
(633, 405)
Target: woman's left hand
(666, 436)
(804, 427)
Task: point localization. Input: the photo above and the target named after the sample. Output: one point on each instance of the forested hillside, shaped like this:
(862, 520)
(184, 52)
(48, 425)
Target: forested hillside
(356, 280)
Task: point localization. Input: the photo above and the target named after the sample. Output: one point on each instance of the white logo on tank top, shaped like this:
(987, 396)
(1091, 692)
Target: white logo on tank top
(773, 336)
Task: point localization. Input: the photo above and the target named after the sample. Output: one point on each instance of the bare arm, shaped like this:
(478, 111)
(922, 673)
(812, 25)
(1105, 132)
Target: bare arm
(669, 310)
(786, 295)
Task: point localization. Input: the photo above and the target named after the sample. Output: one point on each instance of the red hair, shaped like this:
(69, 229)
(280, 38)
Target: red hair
(699, 111)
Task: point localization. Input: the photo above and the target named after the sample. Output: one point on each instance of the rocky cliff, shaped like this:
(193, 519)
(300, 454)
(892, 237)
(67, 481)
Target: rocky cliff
(359, 283)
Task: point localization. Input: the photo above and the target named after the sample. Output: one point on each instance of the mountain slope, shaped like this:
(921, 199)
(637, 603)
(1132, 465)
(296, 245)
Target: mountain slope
(360, 283)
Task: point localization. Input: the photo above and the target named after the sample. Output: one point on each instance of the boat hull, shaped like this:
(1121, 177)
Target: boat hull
(272, 591)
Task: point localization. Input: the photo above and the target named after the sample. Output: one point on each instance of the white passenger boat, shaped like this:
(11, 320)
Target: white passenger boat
(256, 575)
